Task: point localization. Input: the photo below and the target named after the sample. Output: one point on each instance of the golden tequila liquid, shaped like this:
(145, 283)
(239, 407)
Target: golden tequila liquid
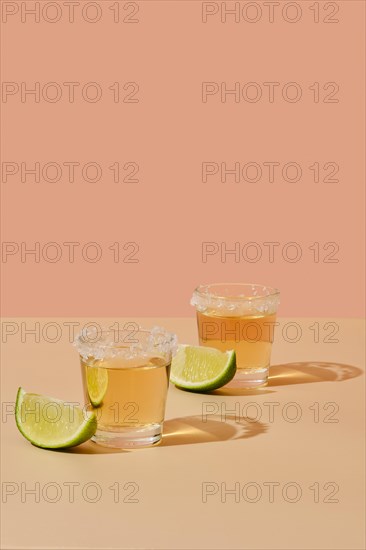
(128, 396)
(251, 337)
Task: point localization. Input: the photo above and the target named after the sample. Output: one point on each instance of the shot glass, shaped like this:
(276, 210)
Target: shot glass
(125, 377)
(239, 316)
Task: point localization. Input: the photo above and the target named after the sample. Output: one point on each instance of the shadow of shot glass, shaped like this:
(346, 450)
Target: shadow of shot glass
(190, 430)
(310, 372)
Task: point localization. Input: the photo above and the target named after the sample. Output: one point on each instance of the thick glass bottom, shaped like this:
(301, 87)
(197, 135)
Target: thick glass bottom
(249, 378)
(129, 438)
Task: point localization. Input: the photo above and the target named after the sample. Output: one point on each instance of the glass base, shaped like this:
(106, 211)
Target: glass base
(249, 378)
(129, 438)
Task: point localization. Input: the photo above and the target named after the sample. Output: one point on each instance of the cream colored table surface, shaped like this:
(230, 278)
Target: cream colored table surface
(314, 465)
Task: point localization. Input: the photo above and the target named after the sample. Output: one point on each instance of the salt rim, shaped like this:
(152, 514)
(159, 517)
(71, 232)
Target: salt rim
(89, 343)
(203, 300)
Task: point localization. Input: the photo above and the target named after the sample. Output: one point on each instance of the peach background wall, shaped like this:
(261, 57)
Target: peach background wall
(168, 131)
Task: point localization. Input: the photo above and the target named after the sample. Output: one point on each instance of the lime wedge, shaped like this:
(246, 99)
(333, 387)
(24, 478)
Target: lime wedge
(97, 383)
(202, 369)
(51, 423)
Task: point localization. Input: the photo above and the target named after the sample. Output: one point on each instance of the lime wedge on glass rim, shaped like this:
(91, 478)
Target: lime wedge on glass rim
(51, 423)
(202, 369)
(97, 384)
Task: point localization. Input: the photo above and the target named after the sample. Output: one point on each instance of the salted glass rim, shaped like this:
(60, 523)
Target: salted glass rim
(203, 291)
(157, 340)
(81, 338)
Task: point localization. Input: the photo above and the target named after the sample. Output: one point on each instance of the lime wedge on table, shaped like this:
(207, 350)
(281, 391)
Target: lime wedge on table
(202, 369)
(52, 423)
(97, 382)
